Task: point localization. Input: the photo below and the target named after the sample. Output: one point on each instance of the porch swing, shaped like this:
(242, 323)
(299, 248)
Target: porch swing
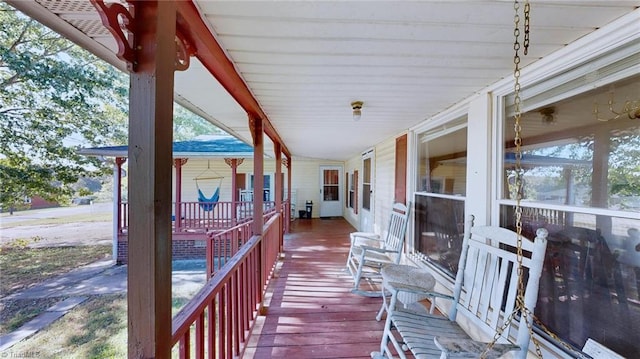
(208, 203)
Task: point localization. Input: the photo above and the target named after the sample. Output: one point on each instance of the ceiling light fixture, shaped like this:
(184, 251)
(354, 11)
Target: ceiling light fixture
(547, 115)
(357, 110)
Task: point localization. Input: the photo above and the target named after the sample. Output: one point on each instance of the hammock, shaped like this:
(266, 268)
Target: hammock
(208, 204)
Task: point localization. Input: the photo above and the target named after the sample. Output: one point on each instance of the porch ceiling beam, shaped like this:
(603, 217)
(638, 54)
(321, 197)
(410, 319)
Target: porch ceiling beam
(209, 52)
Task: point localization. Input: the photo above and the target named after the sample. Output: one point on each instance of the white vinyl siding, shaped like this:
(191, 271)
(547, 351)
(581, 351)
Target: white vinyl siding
(384, 191)
(305, 180)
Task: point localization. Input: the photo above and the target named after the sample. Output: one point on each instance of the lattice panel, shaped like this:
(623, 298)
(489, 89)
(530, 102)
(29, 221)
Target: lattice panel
(92, 28)
(80, 14)
(67, 6)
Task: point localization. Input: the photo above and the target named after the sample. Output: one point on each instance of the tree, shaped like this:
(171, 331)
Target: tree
(50, 91)
(187, 125)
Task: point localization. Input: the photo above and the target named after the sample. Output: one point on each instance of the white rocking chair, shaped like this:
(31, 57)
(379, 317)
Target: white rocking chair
(369, 252)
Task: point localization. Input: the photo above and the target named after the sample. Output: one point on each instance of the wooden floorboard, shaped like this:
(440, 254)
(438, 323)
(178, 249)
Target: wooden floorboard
(311, 311)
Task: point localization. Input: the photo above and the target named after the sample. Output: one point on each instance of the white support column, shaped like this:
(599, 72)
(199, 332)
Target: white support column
(479, 155)
(116, 188)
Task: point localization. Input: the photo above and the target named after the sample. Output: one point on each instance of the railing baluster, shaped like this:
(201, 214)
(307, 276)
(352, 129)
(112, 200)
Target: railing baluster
(200, 336)
(229, 322)
(237, 305)
(185, 345)
(243, 296)
(212, 329)
(223, 332)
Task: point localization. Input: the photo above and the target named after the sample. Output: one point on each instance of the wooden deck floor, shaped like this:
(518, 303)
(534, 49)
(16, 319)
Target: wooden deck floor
(311, 312)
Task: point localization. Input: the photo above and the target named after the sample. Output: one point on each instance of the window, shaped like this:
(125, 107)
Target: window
(366, 184)
(347, 183)
(443, 160)
(351, 191)
(581, 181)
(266, 191)
(439, 202)
(355, 191)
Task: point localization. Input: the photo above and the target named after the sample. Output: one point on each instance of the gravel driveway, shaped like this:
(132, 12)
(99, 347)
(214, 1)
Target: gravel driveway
(65, 234)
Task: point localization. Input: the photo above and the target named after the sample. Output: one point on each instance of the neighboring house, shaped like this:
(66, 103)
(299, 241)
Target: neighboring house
(209, 163)
(37, 202)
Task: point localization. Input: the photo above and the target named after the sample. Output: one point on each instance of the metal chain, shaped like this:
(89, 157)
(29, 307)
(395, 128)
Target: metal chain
(520, 307)
(527, 22)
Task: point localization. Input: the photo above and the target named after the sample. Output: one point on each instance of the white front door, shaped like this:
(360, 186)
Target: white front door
(331, 189)
(366, 214)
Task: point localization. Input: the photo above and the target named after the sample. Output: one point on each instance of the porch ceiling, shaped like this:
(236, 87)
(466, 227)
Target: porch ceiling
(306, 61)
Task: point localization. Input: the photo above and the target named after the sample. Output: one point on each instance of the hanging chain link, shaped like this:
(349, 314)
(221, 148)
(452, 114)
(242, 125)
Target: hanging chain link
(527, 23)
(520, 307)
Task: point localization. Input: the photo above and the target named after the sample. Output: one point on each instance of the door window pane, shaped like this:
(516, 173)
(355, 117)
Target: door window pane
(366, 184)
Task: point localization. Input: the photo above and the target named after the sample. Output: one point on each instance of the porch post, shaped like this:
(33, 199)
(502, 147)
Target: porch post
(178, 163)
(255, 124)
(288, 164)
(234, 163)
(277, 148)
(150, 152)
(117, 204)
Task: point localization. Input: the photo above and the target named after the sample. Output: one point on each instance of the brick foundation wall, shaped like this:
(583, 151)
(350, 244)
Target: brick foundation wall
(192, 248)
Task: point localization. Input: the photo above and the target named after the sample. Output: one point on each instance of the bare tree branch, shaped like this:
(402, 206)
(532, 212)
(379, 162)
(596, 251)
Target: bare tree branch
(13, 109)
(18, 40)
(15, 79)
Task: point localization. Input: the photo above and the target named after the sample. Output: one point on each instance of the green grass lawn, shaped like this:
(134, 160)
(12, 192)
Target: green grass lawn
(96, 329)
(22, 267)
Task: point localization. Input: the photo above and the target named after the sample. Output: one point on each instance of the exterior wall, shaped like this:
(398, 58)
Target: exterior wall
(384, 190)
(384, 186)
(305, 180)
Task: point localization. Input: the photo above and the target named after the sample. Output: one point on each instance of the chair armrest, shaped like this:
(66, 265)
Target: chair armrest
(367, 235)
(472, 348)
(395, 286)
(376, 249)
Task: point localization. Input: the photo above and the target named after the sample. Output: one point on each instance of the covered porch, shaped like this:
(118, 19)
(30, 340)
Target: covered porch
(437, 86)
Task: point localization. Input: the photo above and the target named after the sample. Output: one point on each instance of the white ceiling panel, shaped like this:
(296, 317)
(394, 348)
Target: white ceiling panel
(306, 61)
